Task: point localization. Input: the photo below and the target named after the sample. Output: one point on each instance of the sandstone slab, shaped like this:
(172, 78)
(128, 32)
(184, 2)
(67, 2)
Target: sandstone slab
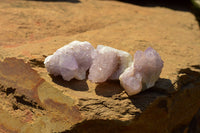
(33, 30)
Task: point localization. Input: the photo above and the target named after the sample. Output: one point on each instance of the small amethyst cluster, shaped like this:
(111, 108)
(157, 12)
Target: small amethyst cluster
(106, 63)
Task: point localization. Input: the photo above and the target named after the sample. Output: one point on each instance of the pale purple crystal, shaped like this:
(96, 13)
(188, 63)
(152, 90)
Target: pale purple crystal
(70, 61)
(143, 73)
(108, 63)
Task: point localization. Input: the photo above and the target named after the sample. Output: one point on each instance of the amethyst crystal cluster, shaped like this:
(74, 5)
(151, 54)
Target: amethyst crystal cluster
(143, 73)
(106, 63)
(70, 61)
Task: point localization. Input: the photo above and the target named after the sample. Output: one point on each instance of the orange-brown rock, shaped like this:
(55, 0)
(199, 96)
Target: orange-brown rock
(33, 101)
(163, 105)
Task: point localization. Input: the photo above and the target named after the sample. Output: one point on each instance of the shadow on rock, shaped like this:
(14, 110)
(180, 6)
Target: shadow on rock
(97, 126)
(77, 85)
(108, 89)
(37, 63)
(182, 5)
(71, 1)
(188, 78)
(196, 9)
(194, 126)
(145, 98)
(196, 66)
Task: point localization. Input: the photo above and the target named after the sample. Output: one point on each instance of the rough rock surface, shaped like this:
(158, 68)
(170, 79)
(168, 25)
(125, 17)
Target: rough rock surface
(108, 63)
(143, 73)
(71, 61)
(37, 106)
(32, 101)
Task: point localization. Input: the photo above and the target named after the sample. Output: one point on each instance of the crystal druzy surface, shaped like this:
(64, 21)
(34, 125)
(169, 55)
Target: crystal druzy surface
(104, 63)
(143, 73)
(70, 61)
(108, 63)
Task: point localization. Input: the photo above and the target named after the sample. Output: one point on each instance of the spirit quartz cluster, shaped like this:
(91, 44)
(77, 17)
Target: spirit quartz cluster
(106, 63)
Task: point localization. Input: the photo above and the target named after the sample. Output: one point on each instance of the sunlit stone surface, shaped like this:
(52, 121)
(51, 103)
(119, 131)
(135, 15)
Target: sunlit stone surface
(108, 63)
(143, 73)
(70, 61)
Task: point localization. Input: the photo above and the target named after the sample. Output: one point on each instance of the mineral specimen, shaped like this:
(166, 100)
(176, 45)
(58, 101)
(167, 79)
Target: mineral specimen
(108, 63)
(74, 59)
(143, 73)
(70, 61)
